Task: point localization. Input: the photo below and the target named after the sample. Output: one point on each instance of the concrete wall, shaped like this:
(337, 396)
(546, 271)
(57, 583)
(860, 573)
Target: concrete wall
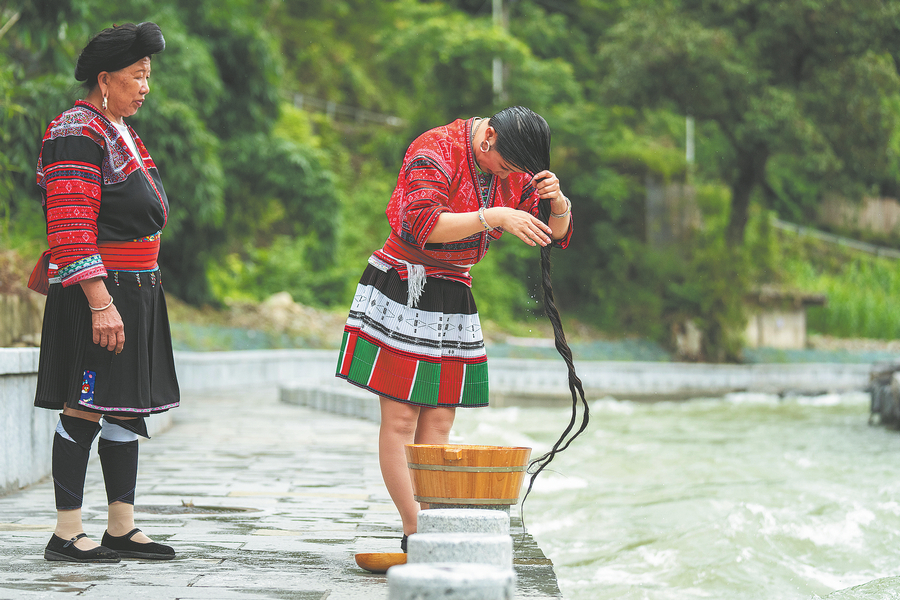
(784, 329)
(26, 433)
(21, 316)
(671, 212)
(881, 215)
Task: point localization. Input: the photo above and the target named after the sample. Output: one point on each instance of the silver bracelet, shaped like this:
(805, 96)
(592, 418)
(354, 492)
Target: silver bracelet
(103, 308)
(484, 223)
(565, 213)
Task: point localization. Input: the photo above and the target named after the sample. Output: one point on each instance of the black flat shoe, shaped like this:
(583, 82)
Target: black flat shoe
(403, 542)
(63, 550)
(128, 548)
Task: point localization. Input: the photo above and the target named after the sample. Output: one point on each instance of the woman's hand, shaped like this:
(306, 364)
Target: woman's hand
(547, 185)
(451, 227)
(108, 329)
(523, 225)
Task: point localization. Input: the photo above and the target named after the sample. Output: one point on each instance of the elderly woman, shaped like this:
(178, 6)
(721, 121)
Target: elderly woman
(106, 351)
(413, 336)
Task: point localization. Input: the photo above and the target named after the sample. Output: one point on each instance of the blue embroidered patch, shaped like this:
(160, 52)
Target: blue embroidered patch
(87, 387)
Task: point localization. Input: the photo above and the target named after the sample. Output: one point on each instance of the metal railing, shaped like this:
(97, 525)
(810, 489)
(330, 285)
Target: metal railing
(334, 111)
(836, 239)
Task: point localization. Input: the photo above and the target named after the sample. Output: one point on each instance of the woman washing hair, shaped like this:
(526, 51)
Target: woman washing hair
(413, 336)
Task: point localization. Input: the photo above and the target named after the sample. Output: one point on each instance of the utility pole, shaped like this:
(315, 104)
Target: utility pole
(499, 21)
(689, 146)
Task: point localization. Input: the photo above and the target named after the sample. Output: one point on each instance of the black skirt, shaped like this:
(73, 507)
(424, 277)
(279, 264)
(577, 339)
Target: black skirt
(74, 371)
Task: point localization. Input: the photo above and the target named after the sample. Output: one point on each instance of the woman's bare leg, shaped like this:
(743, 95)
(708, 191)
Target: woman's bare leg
(398, 428)
(82, 414)
(434, 427)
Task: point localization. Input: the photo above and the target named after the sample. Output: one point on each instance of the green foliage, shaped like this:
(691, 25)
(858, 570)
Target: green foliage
(284, 186)
(861, 289)
(443, 57)
(362, 209)
(187, 155)
(186, 71)
(506, 283)
(330, 49)
(616, 283)
(791, 100)
(874, 314)
(717, 285)
(283, 265)
(806, 79)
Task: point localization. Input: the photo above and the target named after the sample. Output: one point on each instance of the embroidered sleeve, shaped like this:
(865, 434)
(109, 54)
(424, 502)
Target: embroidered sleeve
(70, 177)
(529, 202)
(422, 197)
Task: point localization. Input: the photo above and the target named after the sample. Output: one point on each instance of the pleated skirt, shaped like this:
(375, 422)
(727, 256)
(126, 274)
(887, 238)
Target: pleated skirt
(74, 371)
(431, 355)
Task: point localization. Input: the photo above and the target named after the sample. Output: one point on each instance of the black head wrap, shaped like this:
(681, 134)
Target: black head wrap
(523, 138)
(117, 47)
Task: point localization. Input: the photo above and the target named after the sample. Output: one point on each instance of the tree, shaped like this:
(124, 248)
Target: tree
(806, 80)
(36, 44)
(209, 124)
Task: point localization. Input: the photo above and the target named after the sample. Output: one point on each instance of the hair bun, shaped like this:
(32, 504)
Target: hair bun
(149, 39)
(117, 47)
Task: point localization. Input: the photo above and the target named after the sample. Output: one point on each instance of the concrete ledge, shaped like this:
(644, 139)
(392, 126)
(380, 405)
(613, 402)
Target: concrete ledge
(518, 382)
(450, 582)
(544, 382)
(18, 361)
(307, 377)
(342, 399)
(27, 434)
(199, 371)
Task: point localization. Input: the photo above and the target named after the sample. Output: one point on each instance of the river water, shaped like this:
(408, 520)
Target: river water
(750, 497)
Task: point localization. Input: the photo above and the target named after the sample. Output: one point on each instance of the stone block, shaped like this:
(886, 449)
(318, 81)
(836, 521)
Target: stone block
(477, 548)
(450, 581)
(463, 520)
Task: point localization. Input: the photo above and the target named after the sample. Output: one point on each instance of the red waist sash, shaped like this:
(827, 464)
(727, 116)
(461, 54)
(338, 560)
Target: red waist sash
(396, 247)
(133, 255)
(136, 255)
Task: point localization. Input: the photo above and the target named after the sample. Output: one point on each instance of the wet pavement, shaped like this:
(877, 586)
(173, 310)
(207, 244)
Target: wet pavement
(260, 499)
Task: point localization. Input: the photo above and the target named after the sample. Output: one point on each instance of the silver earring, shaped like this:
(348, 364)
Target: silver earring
(104, 102)
(481, 145)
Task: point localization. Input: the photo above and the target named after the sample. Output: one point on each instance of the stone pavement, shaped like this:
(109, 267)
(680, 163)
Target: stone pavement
(260, 499)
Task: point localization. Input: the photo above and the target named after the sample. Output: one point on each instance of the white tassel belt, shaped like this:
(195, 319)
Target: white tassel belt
(415, 281)
(415, 278)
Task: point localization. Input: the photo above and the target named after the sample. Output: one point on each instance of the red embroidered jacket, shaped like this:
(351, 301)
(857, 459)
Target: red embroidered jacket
(439, 175)
(97, 197)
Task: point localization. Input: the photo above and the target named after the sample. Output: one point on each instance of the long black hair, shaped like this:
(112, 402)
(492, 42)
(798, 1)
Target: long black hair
(523, 139)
